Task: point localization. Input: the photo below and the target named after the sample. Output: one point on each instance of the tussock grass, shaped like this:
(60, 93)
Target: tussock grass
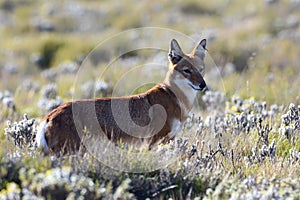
(222, 152)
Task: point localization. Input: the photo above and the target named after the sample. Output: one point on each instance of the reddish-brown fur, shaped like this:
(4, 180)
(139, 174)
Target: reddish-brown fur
(68, 124)
(62, 132)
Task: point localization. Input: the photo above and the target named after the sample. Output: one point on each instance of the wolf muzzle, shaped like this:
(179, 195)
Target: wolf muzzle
(203, 87)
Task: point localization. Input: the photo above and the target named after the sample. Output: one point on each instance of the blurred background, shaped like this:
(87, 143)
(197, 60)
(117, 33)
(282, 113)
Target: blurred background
(245, 143)
(254, 45)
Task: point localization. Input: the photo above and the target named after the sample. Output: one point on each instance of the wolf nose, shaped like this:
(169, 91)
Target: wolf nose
(202, 86)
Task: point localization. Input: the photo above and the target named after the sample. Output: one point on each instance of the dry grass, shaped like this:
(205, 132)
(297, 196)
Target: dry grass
(226, 149)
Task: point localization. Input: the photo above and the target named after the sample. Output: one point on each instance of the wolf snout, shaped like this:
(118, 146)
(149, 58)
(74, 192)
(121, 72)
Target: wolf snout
(203, 86)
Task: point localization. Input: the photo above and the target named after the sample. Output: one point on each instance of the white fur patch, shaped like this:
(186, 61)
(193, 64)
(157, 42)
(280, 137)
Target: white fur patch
(40, 136)
(188, 91)
(175, 128)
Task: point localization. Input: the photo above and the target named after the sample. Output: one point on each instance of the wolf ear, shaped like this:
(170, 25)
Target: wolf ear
(175, 52)
(199, 50)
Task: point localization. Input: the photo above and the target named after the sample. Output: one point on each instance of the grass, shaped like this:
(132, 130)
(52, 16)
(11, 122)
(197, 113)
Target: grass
(217, 155)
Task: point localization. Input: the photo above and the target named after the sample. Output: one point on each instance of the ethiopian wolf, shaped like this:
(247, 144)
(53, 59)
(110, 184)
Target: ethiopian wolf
(153, 117)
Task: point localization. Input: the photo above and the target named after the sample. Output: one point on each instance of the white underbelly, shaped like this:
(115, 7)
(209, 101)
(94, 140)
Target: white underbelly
(176, 125)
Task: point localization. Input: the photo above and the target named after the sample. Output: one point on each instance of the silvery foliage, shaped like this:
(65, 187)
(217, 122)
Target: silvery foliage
(49, 98)
(22, 133)
(240, 115)
(63, 69)
(290, 122)
(247, 116)
(7, 100)
(256, 188)
(260, 154)
(294, 156)
(214, 100)
(200, 159)
(29, 85)
(290, 129)
(62, 182)
(92, 89)
(10, 68)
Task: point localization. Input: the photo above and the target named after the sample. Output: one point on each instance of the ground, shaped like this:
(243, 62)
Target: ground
(241, 140)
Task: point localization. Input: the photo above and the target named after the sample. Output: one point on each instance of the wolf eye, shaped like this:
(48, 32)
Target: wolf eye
(187, 71)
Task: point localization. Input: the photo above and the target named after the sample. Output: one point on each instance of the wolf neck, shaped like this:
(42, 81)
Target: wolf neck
(185, 94)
